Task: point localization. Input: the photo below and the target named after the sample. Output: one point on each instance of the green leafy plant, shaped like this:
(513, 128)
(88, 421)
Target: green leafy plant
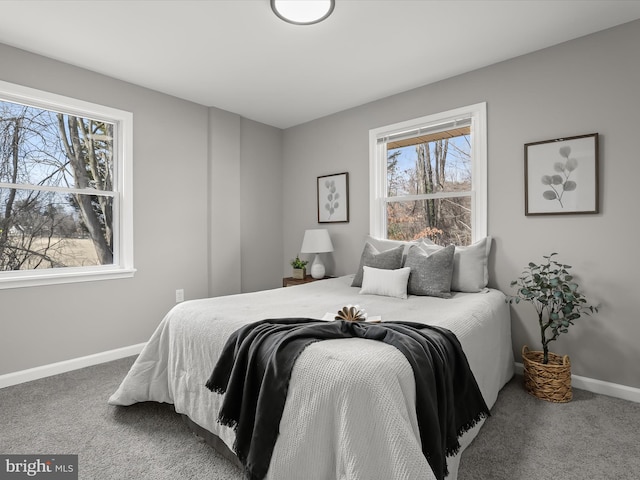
(551, 289)
(298, 264)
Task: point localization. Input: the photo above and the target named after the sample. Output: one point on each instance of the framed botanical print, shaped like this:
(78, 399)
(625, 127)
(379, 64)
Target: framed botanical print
(561, 176)
(333, 198)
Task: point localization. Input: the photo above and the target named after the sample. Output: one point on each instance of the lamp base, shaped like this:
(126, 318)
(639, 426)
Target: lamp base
(317, 268)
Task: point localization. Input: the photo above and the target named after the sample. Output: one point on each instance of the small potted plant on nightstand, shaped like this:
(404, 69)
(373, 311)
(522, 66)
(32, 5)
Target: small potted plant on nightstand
(550, 288)
(299, 267)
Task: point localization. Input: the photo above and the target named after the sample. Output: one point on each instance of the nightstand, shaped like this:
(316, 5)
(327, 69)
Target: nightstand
(290, 281)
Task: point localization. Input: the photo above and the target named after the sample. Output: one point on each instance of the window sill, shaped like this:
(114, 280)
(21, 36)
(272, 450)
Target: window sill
(33, 279)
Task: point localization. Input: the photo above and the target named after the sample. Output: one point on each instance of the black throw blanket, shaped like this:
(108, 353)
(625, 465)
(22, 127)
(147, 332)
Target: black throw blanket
(256, 363)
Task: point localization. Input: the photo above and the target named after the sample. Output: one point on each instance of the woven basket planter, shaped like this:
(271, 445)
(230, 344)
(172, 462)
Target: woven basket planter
(551, 381)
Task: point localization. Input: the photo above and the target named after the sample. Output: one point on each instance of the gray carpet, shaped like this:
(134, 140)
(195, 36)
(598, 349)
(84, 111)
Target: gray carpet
(593, 437)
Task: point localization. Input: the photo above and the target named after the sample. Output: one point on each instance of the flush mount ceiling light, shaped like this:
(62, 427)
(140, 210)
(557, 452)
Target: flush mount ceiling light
(302, 12)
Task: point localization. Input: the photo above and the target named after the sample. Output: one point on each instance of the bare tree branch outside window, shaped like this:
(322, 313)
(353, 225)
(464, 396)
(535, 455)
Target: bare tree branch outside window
(436, 171)
(56, 189)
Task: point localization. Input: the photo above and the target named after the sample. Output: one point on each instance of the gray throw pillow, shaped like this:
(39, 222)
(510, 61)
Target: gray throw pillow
(430, 274)
(470, 265)
(371, 257)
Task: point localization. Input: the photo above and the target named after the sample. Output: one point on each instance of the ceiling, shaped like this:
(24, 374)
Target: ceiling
(238, 56)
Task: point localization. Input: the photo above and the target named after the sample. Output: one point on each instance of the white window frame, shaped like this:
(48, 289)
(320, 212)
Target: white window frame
(378, 165)
(122, 266)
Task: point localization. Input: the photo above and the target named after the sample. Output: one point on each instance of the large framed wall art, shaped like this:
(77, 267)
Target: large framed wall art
(561, 176)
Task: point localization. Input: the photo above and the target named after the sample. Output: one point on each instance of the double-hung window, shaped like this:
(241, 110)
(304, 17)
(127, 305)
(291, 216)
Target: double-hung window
(428, 178)
(65, 189)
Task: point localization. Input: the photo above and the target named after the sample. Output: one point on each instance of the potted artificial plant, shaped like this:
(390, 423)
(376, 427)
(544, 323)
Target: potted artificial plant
(299, 267)
(551, 289)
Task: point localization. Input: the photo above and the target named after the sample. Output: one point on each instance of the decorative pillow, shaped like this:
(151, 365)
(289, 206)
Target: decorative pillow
(384, 244)
(371, 257)
(470, 265)
(389, 283)
(430, 274)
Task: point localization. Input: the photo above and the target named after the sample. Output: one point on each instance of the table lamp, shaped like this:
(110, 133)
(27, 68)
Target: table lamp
(317, 241)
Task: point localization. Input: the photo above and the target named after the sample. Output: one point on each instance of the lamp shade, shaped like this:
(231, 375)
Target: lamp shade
(316, 241)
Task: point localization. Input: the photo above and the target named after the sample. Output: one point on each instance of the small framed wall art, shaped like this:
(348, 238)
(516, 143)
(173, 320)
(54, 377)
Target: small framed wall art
(561, 176)
(333, 198)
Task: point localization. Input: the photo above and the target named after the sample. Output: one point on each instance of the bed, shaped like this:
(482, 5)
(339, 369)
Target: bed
(350, 409)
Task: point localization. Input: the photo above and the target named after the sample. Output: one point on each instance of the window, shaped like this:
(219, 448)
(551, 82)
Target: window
(429, 178)
(65, 189)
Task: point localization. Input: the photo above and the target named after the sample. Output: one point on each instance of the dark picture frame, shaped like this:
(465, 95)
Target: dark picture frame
(561, 176)
(333, 198)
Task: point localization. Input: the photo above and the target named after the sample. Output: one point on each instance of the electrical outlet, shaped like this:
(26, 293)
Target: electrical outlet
(179, 295)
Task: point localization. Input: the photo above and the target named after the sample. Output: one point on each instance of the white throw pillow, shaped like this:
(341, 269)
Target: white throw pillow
(384, 244)
(388, 283)
(470, 265)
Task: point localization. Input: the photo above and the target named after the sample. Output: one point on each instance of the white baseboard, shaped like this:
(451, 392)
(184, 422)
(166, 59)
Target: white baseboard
(36, 373)
(598, 386)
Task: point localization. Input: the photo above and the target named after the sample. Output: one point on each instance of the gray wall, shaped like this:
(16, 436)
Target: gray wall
(246, 204)
(583, 86)
(224, 182)
(261, 197)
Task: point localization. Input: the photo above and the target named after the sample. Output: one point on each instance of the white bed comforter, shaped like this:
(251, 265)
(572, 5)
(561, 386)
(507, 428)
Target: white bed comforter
(350, 411)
